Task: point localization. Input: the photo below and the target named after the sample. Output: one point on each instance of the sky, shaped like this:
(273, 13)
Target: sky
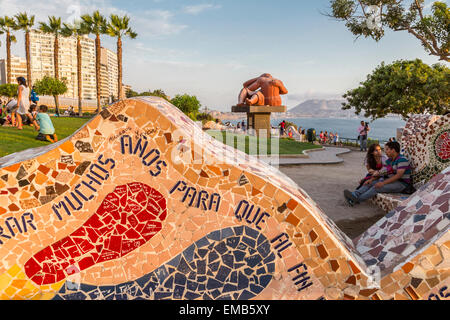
(209, 48)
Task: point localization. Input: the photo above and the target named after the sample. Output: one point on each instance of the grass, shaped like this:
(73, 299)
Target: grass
(286, 146)
(13, 140)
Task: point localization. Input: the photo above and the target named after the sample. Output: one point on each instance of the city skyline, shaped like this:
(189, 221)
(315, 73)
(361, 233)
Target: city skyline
(42, 64)
(209, 49)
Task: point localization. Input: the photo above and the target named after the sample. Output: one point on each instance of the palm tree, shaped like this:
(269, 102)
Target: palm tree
(96, 25)
(8, 25)
(54, 27)
(25, 23)
(118, 28)
(78, 29)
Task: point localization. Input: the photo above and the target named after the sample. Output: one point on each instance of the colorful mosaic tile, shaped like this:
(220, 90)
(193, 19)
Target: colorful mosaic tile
(425, 141)
(140, 203)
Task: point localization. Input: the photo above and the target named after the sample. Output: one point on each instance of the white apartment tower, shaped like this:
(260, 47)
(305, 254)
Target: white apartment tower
(109, 73)
(18, 69)
(42, 62)
(42, 65)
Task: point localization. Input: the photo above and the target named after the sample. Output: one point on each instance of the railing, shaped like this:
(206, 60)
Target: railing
(355, 142)
(276, 132)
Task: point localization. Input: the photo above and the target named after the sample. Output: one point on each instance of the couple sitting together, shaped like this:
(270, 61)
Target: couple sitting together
(386, 174)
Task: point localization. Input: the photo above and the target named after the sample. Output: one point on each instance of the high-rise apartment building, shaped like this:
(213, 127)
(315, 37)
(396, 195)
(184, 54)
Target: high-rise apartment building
(18, 69)
(42, 62)
(109, 73)
(42, 65)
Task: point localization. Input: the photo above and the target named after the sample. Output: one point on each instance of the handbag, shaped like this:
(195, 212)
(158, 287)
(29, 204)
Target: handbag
(409, 189)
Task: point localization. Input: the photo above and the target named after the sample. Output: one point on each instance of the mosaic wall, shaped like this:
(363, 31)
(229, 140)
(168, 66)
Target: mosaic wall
(425, 141)
(141, 204)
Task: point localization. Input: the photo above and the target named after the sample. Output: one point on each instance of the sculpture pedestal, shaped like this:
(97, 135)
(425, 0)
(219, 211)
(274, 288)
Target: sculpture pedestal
(258, 117)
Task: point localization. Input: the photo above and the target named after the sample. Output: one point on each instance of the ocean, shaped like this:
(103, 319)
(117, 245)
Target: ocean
(381, 129)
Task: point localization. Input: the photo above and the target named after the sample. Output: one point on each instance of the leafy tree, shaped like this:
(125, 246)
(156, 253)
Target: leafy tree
(8, 90)
(131, 93)
(25, 23)
(160, 93)
(155, 93)
(51, 87)
(96, 25)
(118, 27)
(370, 18)
(403, 88)
(205, 117)
(189, 105)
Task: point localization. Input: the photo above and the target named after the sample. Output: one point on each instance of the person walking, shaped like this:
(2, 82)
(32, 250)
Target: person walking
(282, 127)
(33, 96)
(23, 101)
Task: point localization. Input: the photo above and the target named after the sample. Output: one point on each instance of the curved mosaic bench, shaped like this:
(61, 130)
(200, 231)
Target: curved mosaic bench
(426, 143)
(141, 204)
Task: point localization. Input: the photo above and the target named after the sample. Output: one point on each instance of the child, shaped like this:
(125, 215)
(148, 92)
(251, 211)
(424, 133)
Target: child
(3, 114)
(30, 116)
(45, 126)
(33, 96)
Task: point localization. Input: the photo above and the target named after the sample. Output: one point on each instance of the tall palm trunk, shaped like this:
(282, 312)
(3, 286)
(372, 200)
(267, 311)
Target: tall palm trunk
(119, 65)
(56, 63)
(80, 112)
(8, 57)
(27, 55)
(97, 69)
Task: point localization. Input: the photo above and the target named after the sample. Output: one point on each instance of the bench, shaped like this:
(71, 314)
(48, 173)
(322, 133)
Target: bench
(425, 142)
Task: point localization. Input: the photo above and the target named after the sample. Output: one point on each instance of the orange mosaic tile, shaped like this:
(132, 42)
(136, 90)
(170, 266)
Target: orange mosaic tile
(111, 206)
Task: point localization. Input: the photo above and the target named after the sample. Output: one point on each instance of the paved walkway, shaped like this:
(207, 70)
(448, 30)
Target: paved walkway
(328, 155)
(325, 183)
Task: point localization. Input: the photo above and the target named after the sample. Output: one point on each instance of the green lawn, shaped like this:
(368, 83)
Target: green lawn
(286, 146)
(13, 140)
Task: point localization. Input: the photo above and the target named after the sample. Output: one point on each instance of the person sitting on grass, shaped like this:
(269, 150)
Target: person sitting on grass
(395, 177)
(45, 126)
(3, 114)
(33, 111)
(31, 116)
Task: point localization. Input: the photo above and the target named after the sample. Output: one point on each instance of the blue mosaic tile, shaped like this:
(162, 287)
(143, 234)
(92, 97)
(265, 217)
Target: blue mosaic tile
(230, 268)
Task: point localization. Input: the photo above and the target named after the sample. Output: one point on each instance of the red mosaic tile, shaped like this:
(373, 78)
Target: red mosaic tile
(43, 169)
(13, 190)
(13, 208)
(98, 240)
(71, 168)
(62, 166)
